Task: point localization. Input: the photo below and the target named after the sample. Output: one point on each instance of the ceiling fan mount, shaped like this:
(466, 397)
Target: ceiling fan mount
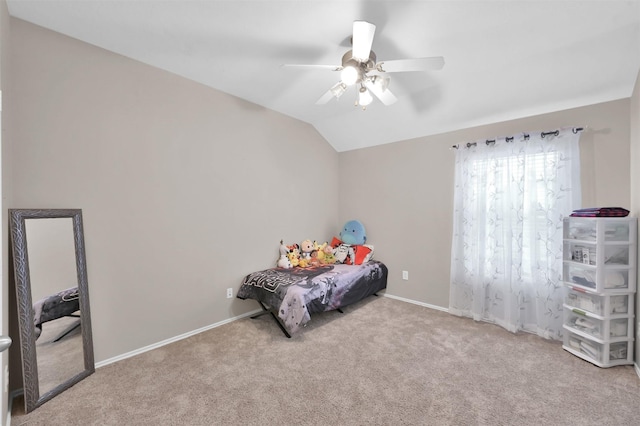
(366, 66)
(360, 61)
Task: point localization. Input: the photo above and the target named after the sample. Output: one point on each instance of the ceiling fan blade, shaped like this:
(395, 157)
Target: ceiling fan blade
(407, 65)
(362, 39)
(304, 66)
(325, 98)
(381, 92)
(336, 91)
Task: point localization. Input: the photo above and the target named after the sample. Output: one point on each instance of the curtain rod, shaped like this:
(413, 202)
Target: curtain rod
(526, 137)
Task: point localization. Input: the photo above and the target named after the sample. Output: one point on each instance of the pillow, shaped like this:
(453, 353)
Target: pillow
(341, 252)
(359, 254)
(351, 254)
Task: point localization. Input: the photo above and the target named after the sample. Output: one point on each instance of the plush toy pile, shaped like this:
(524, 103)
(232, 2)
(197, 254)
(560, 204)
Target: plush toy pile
(349, 248)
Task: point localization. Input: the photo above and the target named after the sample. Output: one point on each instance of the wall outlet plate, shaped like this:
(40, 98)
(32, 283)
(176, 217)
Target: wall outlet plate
(405, 275)
(229, 293)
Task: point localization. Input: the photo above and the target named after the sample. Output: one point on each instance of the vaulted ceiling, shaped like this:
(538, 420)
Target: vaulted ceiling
(503, 59)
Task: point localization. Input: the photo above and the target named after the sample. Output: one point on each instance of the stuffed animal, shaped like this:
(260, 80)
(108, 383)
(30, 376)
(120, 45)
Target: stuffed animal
(353, 233)
(306, 248)
(328, 257)
(315, 260)
(294, 254)
(283, 261)
(304, 262)
(320, 250)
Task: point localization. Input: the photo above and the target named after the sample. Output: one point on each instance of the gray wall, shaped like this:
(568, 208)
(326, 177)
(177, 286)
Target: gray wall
(6, 199)
(184, 189)
(403, 192)
(635, 190)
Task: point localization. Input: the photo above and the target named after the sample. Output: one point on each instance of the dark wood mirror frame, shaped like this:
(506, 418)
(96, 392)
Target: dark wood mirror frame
(17, 217)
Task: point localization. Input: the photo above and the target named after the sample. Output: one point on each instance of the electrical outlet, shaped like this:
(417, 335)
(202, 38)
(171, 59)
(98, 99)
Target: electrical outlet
(405, 275)
(6, 378)
(229, 293)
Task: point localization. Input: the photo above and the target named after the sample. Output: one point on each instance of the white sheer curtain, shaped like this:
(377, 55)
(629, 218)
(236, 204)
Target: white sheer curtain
(509, 201)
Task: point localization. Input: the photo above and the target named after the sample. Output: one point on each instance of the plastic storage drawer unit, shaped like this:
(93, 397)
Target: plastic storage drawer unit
(599, 273)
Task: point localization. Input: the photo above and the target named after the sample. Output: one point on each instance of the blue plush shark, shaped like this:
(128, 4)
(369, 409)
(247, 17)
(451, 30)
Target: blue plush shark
(353, 233)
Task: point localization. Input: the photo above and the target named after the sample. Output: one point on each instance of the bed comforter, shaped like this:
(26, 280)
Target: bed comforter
(297, 292)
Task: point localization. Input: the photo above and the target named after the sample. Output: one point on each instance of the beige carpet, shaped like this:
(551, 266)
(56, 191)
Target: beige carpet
(382, 362)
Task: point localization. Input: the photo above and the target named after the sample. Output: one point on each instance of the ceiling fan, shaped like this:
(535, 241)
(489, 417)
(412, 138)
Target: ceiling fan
(360, 69)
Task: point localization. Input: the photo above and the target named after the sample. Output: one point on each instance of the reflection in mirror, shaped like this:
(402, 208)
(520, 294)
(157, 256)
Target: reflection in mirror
(53, 301)
(54, 291)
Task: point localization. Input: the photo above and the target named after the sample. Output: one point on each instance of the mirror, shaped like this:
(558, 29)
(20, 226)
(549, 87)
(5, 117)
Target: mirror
(53, 301)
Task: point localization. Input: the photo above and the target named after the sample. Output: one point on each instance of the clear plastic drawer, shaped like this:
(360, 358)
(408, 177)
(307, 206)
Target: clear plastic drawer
(603, 279)
(587, 253)
(602, 305)
(592, 229)
(600, 329)
(602, 354)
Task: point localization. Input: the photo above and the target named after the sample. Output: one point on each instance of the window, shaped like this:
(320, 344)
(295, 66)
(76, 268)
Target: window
(510, 198)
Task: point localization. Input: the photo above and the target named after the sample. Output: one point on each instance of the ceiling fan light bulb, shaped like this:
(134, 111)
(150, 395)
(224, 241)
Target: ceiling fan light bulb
(349, 75)
(364, 98)
(338, 89)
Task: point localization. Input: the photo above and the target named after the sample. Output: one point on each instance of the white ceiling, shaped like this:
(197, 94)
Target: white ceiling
(503, 59)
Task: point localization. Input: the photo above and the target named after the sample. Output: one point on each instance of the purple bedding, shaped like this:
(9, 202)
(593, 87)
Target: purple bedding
(297, 292)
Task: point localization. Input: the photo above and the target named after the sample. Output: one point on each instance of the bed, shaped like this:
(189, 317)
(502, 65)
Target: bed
(291, 295)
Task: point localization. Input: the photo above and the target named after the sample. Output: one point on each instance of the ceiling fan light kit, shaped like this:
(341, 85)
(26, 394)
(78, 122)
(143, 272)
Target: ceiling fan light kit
(338, 89)
(349, 75)
(364, 97)
(360, 61)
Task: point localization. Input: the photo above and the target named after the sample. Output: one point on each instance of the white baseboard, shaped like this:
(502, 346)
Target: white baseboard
(172, 339)
(415, 302)
(637, 368)
(12, 395)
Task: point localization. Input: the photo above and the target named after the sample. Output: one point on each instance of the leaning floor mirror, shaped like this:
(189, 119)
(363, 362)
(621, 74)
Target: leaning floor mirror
(52, 292)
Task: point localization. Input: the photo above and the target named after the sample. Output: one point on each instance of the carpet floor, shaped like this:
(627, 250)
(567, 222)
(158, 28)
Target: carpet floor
(382, 362)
